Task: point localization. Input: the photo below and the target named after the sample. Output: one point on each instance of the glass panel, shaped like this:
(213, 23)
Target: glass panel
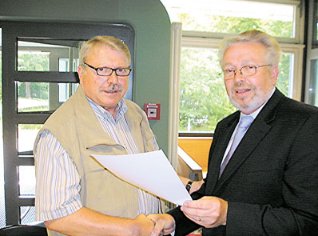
(33, 60)
(26, 181)
(37, 97)
(64, 64)
(2, 203)
(233, 16)
(315, 26)
(36, 54)
(33, 96)
(316, 35)
(202, 87)
(285, 78)
(27, 215)
(313, 83)
(26, 136)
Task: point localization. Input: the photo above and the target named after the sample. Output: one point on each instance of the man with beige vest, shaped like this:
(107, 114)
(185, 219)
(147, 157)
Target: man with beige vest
(75, 195)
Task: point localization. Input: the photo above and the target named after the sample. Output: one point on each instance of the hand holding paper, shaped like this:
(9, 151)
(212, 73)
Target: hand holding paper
(149, 171)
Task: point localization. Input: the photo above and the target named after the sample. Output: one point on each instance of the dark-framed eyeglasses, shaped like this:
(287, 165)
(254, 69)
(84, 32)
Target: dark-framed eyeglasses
(248, 70)
(107, 71)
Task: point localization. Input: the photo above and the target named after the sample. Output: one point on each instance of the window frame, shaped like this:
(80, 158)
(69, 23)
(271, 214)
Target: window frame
(293, 45)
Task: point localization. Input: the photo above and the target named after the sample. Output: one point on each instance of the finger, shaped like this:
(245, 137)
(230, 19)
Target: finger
(195, 218)
(158, 229)
(186, 203)
(192, 211)
(191, 217)
(196, 204)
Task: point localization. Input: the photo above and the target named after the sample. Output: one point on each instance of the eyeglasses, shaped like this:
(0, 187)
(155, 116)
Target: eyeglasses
(106, 71)
(248, 70)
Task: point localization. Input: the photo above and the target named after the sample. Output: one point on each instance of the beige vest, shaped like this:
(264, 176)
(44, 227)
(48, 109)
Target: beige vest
(77, 128)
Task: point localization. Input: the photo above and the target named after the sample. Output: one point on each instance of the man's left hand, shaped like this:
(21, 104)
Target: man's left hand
(209, 212)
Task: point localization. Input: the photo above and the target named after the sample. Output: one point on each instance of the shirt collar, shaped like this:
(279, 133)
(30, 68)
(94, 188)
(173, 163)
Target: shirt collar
(121, 109)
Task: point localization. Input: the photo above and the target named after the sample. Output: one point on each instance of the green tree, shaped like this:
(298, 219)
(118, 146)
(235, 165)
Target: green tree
(33, 62)
(203, 99)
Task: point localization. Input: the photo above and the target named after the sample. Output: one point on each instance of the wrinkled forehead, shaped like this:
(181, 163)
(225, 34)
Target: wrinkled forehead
(244, 52)
(107, 51)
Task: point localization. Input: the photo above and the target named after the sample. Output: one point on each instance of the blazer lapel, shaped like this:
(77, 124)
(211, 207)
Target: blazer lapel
(219, 145)
(250, 141)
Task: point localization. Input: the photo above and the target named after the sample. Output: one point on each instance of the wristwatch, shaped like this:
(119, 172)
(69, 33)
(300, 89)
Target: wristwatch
(188, 186)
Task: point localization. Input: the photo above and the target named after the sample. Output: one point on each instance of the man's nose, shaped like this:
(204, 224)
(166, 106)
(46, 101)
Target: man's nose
(112, 78)
(238, 74)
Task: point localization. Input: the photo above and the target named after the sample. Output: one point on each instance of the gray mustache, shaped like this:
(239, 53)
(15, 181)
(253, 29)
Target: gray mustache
(114, 88)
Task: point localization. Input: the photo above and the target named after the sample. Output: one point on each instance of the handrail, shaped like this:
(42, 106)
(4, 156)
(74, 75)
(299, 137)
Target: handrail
(194, 170)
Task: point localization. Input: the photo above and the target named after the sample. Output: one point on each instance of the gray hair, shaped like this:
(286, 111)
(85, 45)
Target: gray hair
(110, 41)
(256, 36)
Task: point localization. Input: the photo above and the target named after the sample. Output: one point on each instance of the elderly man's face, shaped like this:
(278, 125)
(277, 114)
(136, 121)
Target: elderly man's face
(248, 93)
(106, 91)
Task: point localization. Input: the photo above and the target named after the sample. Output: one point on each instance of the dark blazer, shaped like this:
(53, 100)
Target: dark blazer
(271, 182)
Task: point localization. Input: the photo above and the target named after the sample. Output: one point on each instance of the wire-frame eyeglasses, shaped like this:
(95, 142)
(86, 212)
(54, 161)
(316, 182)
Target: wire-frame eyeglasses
(107, 71)
(248, 70)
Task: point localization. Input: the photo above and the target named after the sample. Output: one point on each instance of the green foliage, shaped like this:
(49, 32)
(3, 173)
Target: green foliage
(33, 90)
(238, 25)
(235, 25)
(283, 83)
(33, 62)
(203, 100)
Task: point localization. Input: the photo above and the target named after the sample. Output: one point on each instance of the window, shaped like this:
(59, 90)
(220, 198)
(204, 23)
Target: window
(202, 87)
(204, 24)
(235, 16)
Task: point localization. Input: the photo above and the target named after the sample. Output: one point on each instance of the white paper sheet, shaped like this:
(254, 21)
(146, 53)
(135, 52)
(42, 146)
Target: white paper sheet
(150, 171)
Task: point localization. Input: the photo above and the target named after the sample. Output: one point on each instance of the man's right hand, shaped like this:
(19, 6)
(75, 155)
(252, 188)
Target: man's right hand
(142, 226)
(164, 224)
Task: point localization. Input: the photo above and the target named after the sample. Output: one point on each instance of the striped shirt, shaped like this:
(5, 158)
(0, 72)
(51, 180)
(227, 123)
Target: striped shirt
(58, 182)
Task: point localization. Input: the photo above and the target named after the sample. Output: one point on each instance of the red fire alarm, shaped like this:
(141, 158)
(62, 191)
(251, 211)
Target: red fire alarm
(152, 111)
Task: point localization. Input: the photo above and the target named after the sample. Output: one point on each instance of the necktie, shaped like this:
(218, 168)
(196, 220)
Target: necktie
(244, 124)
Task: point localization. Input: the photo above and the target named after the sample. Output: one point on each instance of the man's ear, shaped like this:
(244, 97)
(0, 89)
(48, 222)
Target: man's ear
(80, 71)
(275, 73)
